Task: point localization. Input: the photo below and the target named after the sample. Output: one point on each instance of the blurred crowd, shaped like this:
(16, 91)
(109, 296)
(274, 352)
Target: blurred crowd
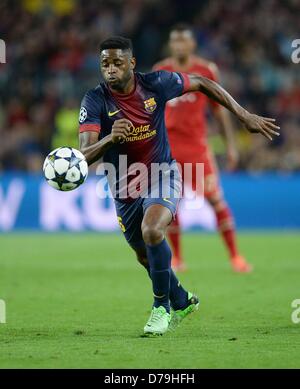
(52, 59)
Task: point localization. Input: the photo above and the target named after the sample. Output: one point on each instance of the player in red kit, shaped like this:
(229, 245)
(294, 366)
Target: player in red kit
(186, 124)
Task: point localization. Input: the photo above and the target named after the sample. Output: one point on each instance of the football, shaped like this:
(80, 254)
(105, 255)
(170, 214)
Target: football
(65, 168)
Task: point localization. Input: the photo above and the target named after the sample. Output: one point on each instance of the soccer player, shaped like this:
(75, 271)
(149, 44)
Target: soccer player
(186, 122)
(124, 117)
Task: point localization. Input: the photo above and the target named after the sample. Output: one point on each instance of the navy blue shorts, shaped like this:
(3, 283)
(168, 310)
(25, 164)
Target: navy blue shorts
(166, 192)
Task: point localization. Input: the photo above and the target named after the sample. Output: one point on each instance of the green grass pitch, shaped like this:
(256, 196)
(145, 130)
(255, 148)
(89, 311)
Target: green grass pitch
(81, 301)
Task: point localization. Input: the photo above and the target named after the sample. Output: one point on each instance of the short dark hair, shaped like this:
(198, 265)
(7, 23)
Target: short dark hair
(183, 27)
(116, 42)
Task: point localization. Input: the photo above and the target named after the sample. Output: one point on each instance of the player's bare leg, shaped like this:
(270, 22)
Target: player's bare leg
(227, 231)
(174, 236)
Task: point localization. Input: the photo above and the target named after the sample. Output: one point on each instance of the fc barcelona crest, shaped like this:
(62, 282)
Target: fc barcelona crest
(150, 105)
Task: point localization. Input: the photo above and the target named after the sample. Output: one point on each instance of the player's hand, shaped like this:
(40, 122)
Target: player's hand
(232, 158)
(260, 124)
(120, 130)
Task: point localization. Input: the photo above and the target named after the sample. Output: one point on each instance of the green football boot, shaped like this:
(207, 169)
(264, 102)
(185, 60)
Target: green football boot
(158, 322)
(180, 314)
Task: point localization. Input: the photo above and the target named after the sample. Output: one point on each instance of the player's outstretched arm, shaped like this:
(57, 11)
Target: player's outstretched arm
(94, 149)
(224, 121)
(252, 122)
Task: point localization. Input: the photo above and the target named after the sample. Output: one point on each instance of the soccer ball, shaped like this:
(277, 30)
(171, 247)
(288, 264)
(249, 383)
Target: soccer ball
(65, 168)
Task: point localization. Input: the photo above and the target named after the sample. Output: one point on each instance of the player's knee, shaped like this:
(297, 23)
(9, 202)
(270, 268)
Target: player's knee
(152, 235)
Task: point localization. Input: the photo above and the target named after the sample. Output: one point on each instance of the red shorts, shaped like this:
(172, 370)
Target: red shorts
(203, 178)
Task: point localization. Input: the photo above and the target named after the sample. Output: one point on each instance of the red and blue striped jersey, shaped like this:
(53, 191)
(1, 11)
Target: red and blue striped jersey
(144, 107)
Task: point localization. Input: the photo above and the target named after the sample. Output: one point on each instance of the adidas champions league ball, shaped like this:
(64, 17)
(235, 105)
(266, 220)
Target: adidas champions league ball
(65, 168)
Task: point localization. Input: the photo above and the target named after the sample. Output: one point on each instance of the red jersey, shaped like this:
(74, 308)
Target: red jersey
(186, 115)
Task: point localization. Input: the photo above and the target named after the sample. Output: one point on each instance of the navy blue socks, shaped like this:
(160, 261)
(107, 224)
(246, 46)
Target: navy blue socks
(178, 295)
(159, 259)
(166, 286)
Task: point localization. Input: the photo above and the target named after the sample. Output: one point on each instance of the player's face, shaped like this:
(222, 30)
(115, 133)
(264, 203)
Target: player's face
(182, 44)
(117, 67)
